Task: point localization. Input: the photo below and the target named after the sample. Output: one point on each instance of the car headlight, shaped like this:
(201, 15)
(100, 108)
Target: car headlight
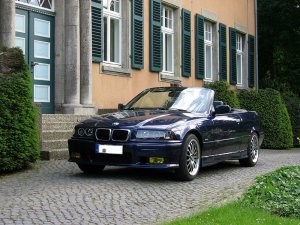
(155, 135)
(84, 132)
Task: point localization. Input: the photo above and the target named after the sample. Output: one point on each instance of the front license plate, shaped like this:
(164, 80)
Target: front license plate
(109, 149)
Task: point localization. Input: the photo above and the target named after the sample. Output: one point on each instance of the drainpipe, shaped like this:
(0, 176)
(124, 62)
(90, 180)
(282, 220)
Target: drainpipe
(256, 46)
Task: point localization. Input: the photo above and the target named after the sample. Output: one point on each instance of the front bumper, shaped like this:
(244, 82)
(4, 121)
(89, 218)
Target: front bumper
(135, 154)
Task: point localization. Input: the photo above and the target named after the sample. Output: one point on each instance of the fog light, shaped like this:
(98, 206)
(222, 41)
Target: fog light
(155, 160)
(75, 155)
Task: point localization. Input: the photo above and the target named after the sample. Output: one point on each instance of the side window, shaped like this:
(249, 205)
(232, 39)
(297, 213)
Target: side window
(112, 31)
(110, 36)
(168, 40)
(170, 44)
(208, 49)
(239, 58)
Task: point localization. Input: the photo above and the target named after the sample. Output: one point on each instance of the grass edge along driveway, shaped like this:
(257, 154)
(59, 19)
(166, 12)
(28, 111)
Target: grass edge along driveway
(274, 190)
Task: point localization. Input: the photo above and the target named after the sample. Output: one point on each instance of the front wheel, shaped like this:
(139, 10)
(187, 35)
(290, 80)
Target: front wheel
(90, 168)
(253, 152)
(189, 163)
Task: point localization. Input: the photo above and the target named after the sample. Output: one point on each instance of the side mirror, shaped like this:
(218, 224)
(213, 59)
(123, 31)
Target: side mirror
(121, 106)
(222, 109)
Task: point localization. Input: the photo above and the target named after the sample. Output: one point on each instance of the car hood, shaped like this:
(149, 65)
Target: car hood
(162, 119)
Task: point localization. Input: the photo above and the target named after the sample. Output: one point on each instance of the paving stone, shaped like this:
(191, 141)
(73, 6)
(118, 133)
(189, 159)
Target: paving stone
(56, 192)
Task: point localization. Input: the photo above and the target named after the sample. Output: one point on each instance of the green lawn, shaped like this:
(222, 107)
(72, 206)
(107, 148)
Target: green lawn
(235, 214)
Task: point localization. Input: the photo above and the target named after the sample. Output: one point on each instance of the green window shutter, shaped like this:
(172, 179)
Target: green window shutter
(137, 34)
(186, 43)
(155, 36)
(223, 52)
(251, 61)
(97, 30)
(232, 46)
(199, 47)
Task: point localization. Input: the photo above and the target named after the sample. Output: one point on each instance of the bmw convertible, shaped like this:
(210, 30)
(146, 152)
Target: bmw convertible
(176, 128)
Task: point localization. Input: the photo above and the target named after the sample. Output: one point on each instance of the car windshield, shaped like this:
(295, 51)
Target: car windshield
(181, 99)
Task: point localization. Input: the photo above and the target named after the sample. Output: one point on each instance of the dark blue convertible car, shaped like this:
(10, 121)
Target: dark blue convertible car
(176, 128)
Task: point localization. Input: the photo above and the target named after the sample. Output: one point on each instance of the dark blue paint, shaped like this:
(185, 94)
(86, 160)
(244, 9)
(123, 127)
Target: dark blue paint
(222, 137)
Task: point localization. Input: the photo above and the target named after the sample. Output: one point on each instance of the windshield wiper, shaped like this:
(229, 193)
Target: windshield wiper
(180, 110)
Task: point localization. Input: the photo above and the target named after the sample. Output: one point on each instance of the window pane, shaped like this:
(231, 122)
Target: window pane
(20, 42)
(208, 62)
(47, 4)
(208, 31)
(41, 93)
(20, 23)
(42, 72)
(168, 52)
(41, 49)
(41, 28)
(239, 72)
(105, 38)
(114, 40)
(34, 2)
(115, 6)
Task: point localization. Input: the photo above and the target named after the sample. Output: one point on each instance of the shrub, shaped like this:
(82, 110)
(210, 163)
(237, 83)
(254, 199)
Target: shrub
(18, 119)
(223, 93)
(277, 192)
(274, 117)
(292, 103)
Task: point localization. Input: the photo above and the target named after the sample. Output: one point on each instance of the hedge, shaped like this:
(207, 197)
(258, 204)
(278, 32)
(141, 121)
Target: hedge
(223, 93)
(19, 145)
(275, 120)
(292, 103)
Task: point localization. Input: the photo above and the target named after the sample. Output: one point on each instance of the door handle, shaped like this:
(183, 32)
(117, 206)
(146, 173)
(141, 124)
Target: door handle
(33, 64)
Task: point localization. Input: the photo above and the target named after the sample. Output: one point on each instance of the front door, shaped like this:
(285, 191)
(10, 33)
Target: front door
(35, 36)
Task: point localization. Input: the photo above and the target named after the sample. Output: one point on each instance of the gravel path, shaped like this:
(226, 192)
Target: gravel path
(56, 192)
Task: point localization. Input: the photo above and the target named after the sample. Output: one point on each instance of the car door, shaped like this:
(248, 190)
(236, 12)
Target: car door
(226, 128)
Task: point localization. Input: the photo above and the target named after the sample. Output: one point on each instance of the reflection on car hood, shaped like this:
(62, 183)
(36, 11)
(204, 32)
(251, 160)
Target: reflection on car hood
(143, 118)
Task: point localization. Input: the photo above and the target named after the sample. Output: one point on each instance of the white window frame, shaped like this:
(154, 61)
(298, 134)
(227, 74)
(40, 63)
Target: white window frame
(41, 100)
(168, 30)
(239, 53)
(117, 16)
(24, 41)
(39, 56)
(24, 23)
(39, 34)
(48, 75)
(208, 42)
(39, 7)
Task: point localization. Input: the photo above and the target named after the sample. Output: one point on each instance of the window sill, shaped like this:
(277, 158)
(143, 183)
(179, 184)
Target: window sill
(115, 70)
(208, 80)
(240, 87)
(166, 77)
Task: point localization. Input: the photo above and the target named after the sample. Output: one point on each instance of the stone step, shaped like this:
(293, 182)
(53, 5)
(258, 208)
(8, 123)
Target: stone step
(55, 154)
(54, 144)
(55, 118)
(58, 126)
(48, 135)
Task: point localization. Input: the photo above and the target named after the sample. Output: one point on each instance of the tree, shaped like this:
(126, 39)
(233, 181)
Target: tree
(279, 43)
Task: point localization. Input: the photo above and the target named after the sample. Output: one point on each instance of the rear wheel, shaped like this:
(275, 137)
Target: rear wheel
(189, 163)
(253, 152)
(90, 168)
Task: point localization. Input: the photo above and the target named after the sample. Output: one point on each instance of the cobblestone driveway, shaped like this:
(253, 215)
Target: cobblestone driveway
(56, 192)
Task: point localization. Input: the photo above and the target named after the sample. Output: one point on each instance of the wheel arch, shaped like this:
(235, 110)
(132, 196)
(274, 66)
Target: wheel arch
(199, 137)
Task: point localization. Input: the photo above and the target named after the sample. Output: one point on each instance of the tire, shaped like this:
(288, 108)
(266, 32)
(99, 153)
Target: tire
(189, 163)
(90, 168)
(253, 152)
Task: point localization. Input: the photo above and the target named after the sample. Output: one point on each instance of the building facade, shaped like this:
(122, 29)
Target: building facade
(87, 55)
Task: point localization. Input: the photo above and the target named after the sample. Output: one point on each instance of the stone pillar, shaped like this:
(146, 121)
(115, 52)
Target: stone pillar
(85, 53)
(7, 23)
(72, 57)
(59, 56)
